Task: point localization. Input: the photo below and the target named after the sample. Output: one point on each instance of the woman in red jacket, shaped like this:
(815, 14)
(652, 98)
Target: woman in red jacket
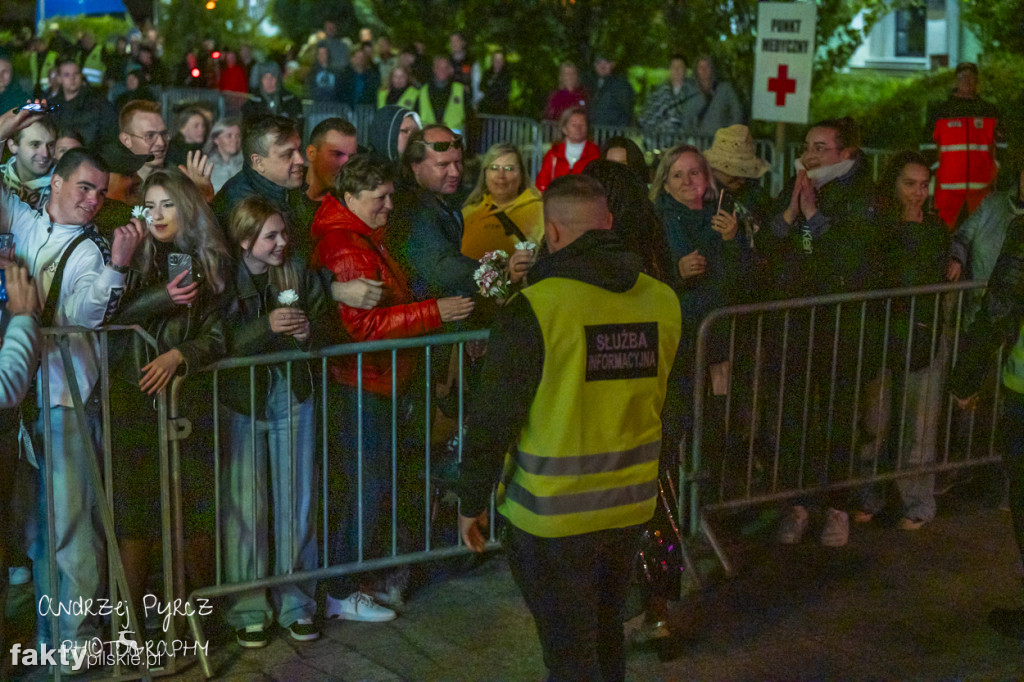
(572, 154)
(349, 241)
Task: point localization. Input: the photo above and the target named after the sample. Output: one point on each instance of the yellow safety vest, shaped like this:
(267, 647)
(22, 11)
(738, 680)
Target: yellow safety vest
(587, 459)
(454, 110)
(93, 67)
(1013, 368)
(42, 76)
(407, 100)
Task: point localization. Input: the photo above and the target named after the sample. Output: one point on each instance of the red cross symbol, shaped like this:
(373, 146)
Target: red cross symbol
(782, 85)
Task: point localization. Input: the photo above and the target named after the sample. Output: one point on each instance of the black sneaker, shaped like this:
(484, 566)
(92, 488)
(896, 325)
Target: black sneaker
(1008, 622)
(251, 637)
(304, 630)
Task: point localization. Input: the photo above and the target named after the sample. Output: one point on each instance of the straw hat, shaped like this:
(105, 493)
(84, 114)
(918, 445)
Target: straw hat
(732, 153)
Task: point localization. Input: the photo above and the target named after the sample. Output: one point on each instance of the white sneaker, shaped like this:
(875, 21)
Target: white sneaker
(836, 532)
(19, 575)
(358, 606)
(793, 525)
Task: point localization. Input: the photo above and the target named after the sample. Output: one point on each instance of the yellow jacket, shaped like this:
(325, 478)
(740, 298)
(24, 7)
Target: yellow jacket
(485, 232)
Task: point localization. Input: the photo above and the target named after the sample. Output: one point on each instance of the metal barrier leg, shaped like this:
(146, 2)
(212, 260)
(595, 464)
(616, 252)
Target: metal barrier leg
(106, 514)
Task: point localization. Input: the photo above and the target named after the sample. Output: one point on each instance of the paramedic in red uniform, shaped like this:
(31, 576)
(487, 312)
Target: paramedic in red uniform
(964, 130)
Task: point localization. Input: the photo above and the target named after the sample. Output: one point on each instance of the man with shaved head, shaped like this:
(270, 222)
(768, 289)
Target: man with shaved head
(575, 375)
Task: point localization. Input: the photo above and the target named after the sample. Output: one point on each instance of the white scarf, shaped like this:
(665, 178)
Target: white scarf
(823, 175)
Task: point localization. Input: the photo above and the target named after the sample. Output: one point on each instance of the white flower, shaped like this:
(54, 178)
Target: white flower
(525, 246)
(288, 297)
(142, 213)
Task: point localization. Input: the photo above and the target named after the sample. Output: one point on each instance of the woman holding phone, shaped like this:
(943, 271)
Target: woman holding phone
(174, 293)
(711, 266)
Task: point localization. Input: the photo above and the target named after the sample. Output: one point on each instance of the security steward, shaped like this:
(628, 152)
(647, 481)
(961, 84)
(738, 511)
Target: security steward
(572, 388)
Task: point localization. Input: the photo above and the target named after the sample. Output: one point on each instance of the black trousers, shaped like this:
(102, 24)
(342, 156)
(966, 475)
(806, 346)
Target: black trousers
(576, 589)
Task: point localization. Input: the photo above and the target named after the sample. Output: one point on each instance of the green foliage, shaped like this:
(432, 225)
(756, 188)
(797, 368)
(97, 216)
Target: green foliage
(104, 28)
(892, 111)
(297, 19)
(538, 34)
(184, 24)
(998, 23)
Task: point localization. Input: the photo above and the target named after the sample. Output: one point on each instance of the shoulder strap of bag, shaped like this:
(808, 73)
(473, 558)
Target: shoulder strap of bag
(53, 293)
(510, 227)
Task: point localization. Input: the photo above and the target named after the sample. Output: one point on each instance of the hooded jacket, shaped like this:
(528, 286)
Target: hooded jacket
(351, 249)
(383, 136)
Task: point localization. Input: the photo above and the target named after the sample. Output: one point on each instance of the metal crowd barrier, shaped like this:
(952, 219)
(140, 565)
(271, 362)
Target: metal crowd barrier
(416, 533)
(807, 397)
(127, 651)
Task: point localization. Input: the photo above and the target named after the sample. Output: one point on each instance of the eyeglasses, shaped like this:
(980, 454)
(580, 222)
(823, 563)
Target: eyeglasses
(441, 147)
(817, 148)
(150, 138)
(508, 169)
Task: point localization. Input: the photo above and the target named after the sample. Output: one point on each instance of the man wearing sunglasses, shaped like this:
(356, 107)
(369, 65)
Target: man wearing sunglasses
(426, 232)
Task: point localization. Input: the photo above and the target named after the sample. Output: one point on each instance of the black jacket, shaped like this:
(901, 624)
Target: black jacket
(287, 105)
(425, 237)
(88, 113)
(248, 325)
(197, 331)
(247, 183)
(835, 251)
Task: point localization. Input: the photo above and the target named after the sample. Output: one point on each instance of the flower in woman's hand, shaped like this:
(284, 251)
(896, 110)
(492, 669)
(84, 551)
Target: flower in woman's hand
(288, 297)
(142, 213)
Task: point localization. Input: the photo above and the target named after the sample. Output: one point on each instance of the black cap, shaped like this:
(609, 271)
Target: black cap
(119, 159)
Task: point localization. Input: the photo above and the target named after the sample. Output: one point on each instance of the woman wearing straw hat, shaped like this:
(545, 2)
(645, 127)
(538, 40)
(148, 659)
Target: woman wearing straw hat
(737, 169)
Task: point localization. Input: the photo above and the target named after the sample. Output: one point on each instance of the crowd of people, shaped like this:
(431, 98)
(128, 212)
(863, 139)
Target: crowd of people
(251, 242)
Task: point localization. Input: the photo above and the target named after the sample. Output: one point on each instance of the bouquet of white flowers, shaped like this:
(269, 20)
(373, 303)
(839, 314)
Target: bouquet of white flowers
(492, 275)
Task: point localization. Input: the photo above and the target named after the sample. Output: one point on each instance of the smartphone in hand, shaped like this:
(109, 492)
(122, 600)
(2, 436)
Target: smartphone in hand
(178, 263)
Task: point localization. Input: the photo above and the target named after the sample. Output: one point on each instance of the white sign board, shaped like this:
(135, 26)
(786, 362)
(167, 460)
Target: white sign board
(784, 61)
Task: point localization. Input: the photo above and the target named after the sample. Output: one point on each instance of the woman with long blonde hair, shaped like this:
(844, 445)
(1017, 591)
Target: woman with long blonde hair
(278, 303)
(175, 293)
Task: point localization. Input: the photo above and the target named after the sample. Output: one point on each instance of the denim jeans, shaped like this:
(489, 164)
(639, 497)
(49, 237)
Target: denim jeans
(294, 502)
(924, 391)
(351, 540)
(81, 550)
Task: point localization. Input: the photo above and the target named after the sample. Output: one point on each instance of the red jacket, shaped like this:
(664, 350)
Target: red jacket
(232, 79)
(555, 165)
(349, 248)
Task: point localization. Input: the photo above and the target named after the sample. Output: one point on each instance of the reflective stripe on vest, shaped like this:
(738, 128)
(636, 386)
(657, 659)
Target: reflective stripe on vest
(963, 148)
(587, 457)
(962, 186)
(454, 109)
(93, 67)
(966, 147)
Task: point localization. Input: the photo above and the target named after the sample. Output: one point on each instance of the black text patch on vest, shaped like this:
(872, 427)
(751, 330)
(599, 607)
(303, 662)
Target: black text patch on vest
(622, 351)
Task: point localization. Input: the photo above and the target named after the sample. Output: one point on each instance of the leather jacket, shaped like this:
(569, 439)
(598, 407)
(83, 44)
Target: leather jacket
(248, 333)
(197, 331)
